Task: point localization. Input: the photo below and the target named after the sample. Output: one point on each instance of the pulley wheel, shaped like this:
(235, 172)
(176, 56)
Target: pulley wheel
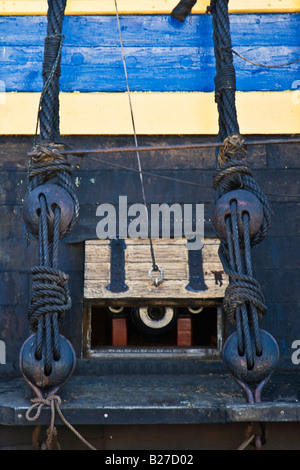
(263, 364)
(154, 320)
(55, 197)
(33, 369)
(246, 203)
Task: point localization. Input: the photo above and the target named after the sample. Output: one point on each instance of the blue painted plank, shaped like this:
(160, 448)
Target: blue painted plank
(155, 31)
(161, 55)
(149, 69)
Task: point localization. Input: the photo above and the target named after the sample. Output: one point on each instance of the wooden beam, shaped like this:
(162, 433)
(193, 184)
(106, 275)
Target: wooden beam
(155, 113)
(130, 7)
(171, 257)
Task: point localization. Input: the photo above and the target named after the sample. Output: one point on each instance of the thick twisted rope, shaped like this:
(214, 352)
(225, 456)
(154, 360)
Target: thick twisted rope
(50, 292)
(49, 106)
(232, 172)
(243, 301)
(48, 164)
(225, 85)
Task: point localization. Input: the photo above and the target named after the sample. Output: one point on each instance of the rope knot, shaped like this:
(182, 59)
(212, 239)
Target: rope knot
(38, 405)
(231, 168)
(50, 294)
(233, 147)
(241, 291)
(54, 403)
(48, 161)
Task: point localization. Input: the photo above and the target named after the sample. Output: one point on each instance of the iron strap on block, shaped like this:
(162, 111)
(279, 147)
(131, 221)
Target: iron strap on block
(50, 211)
(196, 275)
(241, 219)
(117, 266)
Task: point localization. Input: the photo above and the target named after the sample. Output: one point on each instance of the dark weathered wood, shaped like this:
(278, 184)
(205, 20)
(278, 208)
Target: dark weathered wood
(14, 149)
(274, 260)
(151, 399)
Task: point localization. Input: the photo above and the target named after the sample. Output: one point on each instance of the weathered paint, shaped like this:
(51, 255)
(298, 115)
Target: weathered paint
(275, 260)
(155, 113)
(170, 66)
(78, 7)
(161, 53)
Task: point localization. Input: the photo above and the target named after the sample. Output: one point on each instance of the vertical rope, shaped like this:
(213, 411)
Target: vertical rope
(50, 292)
(154, 265)
(49, 105)
(243, 297)
(225, 85)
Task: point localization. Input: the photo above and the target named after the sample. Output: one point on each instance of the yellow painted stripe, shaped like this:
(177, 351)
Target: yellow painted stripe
(155, 113)
(107, 7)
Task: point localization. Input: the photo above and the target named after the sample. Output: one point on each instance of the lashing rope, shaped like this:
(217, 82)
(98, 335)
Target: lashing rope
(244, 301)
(54, 403)
(50, 292)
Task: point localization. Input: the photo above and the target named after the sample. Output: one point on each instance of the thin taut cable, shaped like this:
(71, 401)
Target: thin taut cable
(154, 265)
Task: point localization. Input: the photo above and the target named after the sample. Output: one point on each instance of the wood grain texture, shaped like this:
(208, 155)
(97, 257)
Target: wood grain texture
(161, 56)
(78, 7)
(155, 113)
(172, 258)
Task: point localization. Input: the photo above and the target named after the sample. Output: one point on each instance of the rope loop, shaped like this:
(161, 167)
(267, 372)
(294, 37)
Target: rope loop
(243, 291)
(54, 402)
(232, 172)
(50, 294)
(47, 163)
(38, 405)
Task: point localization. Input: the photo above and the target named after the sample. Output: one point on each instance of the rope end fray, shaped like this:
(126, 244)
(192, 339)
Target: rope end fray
(233, 147)
(54, 402)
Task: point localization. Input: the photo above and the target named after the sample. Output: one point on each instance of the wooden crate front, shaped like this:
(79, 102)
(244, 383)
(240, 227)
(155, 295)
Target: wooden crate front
(171, 256)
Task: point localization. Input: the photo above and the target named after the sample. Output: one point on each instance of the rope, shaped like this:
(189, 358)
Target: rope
(246, 442)
(269, 66)
(243, 301)
(154, 265)
(50, 298)
(259, 440)
(50, 292)
(48, 164)
(48, 115)
(225, 93)
(53, 402)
